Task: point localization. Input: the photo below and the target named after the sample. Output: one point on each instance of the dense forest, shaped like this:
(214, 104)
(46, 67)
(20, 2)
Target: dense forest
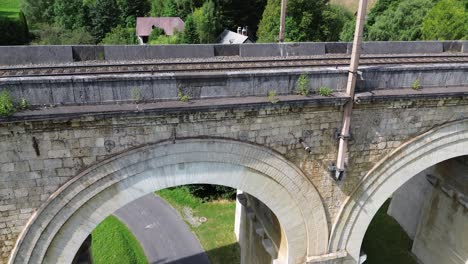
(113, 21)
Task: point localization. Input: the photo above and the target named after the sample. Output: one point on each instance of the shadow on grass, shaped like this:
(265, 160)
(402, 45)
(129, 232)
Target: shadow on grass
(385, 241)
(9, 14)
(201, 258)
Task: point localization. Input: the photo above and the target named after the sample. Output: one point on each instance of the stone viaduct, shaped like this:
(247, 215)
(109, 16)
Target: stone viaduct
(90, 144)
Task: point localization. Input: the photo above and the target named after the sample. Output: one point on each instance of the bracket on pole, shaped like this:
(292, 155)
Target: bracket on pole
(337, 135)
(335, 173)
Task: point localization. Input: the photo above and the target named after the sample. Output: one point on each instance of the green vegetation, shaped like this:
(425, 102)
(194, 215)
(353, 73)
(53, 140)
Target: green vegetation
(408, 20)
(23, 104)
(9, 8)
(136, 95)
(272, 97)
(120, 35)
(325, 91)
(209, 192)
(183, 97)
(305, 21)
(15, 30)
(302, 85)
(112, 242)
(216, 235)
(113, 21)
(385, 241)
(416, 85)
(7, 107)
(447, 20)
(206, 22)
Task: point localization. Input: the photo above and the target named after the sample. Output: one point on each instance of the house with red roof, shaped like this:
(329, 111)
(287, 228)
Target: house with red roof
(144, 26)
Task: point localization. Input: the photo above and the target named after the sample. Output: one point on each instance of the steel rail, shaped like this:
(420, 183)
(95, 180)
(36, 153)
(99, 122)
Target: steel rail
(221, 65)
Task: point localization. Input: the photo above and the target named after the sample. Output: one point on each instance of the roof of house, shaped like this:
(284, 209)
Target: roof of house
(144, 25)
(230, 37)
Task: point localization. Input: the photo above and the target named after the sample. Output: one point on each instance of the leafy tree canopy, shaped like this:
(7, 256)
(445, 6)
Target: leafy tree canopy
(392, 20)
(447, 20)
(400, 22)
(304, 20)
(69, 13)
(38, 11)
(206, 22)
(120, 35)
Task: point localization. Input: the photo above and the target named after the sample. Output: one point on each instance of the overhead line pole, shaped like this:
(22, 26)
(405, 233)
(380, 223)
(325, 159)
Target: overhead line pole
(282, 20)
(350, 87)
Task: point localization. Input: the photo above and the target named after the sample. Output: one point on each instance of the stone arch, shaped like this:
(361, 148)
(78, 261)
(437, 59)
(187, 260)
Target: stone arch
(439, 144)
(55, 232)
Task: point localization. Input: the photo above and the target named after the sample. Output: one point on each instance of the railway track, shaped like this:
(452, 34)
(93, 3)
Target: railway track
(222, 65)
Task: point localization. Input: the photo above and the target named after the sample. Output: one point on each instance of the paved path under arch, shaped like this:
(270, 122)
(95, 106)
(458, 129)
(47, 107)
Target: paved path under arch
(164, 236)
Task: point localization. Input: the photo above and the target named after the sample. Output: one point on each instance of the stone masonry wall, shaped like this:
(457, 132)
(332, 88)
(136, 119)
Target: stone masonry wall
(37, 157)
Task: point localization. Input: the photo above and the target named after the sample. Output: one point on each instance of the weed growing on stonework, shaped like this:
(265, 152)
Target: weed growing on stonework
(302, 85)
(7, 107)
(416, 85)
(136, 95)
(272, 97)
(23, 104)
(183, 97)
(325, 91)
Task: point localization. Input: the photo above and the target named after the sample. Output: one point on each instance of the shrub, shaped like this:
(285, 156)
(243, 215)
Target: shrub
(7, 107)
(325, 91)
(136, 95)
(208, 192)
(416, 85)
(302, 85)
(183, 97)
(272, 97)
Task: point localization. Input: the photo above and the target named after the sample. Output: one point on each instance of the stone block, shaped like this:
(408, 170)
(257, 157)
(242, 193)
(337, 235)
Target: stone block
(282, 49)
(453, 46)
(53, 154)
(13, 55)
(336, 47)
(88, 52)
(400, 47)
(464, 47)
(52, 163)
(139, 52)
(226, 50)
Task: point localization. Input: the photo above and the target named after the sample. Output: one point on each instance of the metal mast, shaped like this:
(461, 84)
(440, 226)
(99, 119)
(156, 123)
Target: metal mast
(282, 20)
(350, 87)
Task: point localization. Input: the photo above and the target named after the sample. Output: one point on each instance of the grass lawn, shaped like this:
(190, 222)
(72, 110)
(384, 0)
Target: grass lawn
(112, 242)
(9, 8)
(385, 241)
(216, 235)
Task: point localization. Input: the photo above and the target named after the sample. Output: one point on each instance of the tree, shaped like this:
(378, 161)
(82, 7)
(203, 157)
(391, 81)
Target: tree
(56, 35)
(120, 36)
(170, 9)
(304, 19)
(335, 18)
(206, 22)
(179, 8)
(134, 8)
(155, 34)
(69, 13)
(38, 11)
(246, 13)
(190, 36)
(104, 17)
(400, 21)
(268, 28)
(447, 20)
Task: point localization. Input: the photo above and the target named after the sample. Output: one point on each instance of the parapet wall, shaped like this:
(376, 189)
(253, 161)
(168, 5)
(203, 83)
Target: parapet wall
(17, 55)
(84, 90)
